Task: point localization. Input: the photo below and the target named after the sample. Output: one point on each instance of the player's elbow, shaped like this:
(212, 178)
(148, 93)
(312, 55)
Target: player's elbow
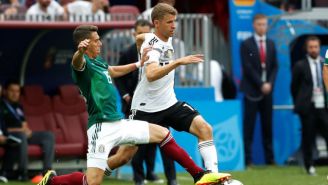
(151, 77)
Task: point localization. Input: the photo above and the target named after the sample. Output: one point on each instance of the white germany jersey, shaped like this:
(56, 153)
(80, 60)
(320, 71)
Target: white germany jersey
(159, 94)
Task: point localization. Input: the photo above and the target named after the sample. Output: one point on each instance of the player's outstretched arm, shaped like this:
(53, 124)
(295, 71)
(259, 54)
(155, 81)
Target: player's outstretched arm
(155, 72)
(118, 71)
(78, 61)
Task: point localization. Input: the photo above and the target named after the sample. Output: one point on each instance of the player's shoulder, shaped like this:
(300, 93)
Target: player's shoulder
(151, 39)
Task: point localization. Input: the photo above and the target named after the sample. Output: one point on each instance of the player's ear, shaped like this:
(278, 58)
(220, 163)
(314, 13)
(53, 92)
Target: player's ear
(156, 22)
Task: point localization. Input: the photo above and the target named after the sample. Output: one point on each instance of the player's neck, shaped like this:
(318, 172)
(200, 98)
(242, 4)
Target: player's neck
(161, 36)
(90, 55)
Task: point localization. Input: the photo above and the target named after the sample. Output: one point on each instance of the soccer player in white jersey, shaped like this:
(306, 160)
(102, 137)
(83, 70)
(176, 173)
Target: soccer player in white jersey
(154, 99)
(106, 128)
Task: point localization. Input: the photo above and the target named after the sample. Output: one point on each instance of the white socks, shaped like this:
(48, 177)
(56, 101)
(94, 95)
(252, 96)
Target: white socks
(108, 171)
(208, 152)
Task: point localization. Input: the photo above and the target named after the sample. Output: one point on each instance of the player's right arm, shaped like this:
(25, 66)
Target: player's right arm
(139, 40)
(78, 61)
(155, 72)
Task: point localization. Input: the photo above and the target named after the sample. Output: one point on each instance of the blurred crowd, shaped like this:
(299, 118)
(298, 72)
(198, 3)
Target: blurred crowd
(37, 10)
(294, 5)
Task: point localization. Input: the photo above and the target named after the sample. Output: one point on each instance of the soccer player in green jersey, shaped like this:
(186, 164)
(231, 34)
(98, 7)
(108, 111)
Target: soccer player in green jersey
(106, 128)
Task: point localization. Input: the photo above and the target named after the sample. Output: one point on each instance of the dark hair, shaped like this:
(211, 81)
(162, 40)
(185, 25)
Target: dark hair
(142, 23)
(259, 16)
(83, 32)
(311, 38)
(10, 82)
(162, 9)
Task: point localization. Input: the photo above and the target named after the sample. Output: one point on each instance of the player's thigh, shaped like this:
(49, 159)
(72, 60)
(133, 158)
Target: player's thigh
(134, 132)
(155, 117)
(200, 128)
(94, 176)
(157, 133)
(101, 139)
(180, 116)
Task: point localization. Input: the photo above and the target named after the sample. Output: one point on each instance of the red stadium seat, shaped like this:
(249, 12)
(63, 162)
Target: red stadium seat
(124, 12)
(38, 113)
(38, 109)
(71, 116)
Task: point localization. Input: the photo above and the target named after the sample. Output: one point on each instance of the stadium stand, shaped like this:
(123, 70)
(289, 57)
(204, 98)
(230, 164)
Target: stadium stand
(37, 107)
(71, 115)
(65, 113)
(124, 12)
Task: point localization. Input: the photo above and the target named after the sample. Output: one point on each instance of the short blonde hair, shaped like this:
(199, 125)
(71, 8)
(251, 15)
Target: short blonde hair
(162, 9)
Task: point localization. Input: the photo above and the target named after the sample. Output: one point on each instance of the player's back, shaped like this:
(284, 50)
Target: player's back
(159, 94)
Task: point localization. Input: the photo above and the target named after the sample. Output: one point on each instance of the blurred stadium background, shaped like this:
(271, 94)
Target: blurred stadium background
(39, 54)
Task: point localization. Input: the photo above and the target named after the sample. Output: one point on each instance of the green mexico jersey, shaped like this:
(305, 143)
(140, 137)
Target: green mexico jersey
(97, 87)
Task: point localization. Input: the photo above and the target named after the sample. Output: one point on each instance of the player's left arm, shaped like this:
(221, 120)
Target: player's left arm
(118, 71)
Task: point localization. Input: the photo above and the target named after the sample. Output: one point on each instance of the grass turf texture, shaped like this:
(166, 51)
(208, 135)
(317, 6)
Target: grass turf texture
(257, 175)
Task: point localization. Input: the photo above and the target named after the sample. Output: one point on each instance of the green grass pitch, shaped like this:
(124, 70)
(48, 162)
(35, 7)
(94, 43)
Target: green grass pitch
(257, 175)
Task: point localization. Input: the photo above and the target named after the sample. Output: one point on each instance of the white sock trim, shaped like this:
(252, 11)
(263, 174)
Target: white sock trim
(208, 152)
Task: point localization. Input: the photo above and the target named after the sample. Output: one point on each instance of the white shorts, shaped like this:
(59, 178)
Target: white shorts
(102, 137)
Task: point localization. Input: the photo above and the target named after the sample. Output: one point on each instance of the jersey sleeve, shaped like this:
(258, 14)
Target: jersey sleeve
(153, 56)
(155, 53)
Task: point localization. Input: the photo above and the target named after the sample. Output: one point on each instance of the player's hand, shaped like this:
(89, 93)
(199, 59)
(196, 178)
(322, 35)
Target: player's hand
(144, 56)
(83, 45)
(191, 59)
(266, 88)
(127, 99)
(28, 133)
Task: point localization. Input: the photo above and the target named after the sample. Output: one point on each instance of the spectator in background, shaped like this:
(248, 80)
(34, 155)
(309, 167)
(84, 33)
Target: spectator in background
(3, 141)
(215, 77)
(45, 10)
(17, 126)
(86, 10)
(126, 86)
(310, 104)
(259, 69)
(147, 13)
(11, 8)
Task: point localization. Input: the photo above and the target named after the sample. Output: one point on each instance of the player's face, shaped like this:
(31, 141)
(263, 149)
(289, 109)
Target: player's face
(166, 26)
(141, 30)
(313, 48)
(260, 26)
(13, 93)
(94, 45)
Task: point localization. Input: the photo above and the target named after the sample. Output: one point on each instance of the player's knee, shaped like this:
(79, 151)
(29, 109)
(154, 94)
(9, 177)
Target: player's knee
(205, 130)
(164, 132)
